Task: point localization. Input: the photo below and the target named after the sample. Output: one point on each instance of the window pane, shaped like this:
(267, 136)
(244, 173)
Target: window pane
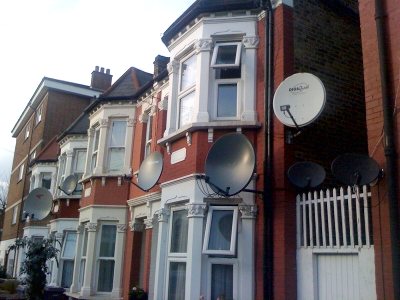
(179, 232)
(69, 247)
(96, 140)
(227, 100)
(94, 161)
(221, 230)
(106, 275)
(118, 131)
(82, 271)
(46, 180)
(107, 244)
(116, 158)
(226, 54)
(177, 276)
(188, 72)
(80, 157)
(85, 241)
(222, 282)
(186, 109)
(67, 272)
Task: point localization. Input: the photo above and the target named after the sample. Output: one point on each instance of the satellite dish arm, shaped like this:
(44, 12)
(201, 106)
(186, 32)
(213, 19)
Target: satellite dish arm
(286, 108)
(129, 179)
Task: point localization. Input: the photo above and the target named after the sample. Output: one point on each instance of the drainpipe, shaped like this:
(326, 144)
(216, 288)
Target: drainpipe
(268, 89)
(390, 150)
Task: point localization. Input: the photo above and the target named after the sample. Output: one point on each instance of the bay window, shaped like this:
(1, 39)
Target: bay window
(116, 150)
(106, 258)
(186, 106)
(222, 281)
(46, 180)
(221, 230)
(67, 258)
(177, 254)
(79, 168)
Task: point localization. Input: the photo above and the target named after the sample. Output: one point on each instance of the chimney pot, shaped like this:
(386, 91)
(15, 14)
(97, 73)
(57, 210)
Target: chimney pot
(102, 70)
(96, 68)
(107, 71)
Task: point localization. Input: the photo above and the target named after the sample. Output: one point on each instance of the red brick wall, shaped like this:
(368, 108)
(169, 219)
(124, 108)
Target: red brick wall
(109, 194)
(374, 116)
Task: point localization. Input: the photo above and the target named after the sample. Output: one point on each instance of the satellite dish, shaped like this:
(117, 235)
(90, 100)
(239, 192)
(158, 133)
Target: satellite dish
(306, 174)
(230, 164)
(38, 203)
(299, 99)
(69, 184)
(150, 171)
(355, 169)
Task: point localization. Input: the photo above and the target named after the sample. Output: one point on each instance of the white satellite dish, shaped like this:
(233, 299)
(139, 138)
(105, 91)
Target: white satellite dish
(38, 203)
(299, 99)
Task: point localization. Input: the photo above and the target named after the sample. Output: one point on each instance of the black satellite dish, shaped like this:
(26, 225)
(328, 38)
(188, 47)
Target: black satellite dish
(150, 171)
(69, 184)
(38, 203)
(355, 169)
(306, 174)
(230, 164)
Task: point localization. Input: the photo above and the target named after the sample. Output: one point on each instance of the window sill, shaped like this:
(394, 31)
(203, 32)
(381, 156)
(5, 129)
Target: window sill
(226, 124)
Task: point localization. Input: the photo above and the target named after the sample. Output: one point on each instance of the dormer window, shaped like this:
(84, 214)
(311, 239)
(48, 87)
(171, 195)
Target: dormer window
(226, 55)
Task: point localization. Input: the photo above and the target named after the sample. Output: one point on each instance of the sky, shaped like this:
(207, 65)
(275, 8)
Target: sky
(66, 39)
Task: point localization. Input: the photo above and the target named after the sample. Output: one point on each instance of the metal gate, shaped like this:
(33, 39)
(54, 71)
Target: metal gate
(335, 253)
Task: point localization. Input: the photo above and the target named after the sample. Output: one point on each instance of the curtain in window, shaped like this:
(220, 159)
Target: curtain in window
(106, 276)
(221, 230)
(67, 273)
(69, 247)
(188, 72)
(107, 245)
(222, 282)
(177, 278)
(179, 232)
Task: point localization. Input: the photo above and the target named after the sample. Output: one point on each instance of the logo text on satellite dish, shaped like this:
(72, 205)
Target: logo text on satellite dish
(299, 88)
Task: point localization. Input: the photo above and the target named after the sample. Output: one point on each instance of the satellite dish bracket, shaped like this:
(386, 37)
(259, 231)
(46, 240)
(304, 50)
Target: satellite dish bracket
(226, 192)
(59, 187)
(128, 178)
(286, 108)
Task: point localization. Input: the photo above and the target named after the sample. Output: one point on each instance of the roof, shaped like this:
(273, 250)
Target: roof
(79, 126)
(128, 83)
(204, 6)
(49, 153)
(51, 84)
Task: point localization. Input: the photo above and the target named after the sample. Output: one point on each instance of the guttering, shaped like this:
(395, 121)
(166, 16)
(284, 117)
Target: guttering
(390, 149)
(268, 89)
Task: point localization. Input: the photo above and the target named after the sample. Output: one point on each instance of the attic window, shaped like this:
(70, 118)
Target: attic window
(226, 55)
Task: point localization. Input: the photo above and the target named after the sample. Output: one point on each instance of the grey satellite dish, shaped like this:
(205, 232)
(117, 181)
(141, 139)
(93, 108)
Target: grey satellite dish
(355, 169)
(299, 100)
(230, 164)
(69, 184)
(38, 203)
(150, 171)
(306, 174)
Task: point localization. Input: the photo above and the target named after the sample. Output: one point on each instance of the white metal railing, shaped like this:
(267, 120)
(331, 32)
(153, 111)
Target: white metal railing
(334, 218)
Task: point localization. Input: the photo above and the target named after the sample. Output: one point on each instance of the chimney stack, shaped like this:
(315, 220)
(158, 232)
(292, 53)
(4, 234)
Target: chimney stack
(101, 80)
(160, 64)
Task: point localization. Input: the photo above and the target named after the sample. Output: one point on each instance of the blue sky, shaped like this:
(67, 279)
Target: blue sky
(66, 39)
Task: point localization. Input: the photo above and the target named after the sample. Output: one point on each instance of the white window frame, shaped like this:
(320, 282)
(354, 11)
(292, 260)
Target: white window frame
(83, 259)
(32, 183)
(175, 256)
(237, 57)
(78, 175)
(218, 82)
(27, 131)
(62, 161)
(62, 257)
(15, 215)
(232, 249)
(95, 150)
(122, 146)
(182, 93)
(38, 116)
(148, 136)
(223, 261)
(21, 172)
(42, 177)
(99, 258)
